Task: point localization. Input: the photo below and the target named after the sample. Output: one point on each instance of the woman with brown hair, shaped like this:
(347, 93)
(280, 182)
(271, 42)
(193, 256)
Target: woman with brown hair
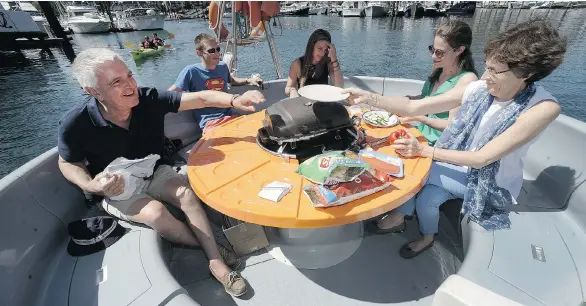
(319, 62)
(478, 158)
(452, 66)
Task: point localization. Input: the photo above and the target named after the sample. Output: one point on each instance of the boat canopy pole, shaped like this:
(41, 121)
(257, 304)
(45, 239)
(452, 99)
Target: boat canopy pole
(234, 38)
(268, 34)
(273, 49)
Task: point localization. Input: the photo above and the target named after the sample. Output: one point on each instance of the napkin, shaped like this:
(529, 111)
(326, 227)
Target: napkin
(275, 191)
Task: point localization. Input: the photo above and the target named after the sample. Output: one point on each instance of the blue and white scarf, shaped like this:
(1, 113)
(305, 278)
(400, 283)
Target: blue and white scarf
(484, 201)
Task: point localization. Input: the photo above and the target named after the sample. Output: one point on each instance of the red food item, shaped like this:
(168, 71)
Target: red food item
(400, 134)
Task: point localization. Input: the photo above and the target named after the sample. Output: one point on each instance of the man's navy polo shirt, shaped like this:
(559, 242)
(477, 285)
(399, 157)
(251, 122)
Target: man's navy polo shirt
(84, 134)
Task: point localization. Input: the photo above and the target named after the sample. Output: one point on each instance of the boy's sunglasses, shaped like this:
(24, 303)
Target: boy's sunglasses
(213, 50)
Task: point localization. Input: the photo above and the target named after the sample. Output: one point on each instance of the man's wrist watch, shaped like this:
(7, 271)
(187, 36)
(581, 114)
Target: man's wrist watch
(233, 98)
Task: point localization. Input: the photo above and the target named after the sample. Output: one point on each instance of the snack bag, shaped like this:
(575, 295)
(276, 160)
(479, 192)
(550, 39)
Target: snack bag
(388, 164)
(331, 168)
(365, 184)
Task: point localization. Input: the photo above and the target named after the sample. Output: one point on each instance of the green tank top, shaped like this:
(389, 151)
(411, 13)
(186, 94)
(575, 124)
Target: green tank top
(431, 134)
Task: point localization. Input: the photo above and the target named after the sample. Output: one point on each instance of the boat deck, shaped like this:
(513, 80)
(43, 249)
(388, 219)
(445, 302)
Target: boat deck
(375, 274)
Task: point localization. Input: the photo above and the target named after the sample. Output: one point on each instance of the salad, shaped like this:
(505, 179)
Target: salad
(379, 118)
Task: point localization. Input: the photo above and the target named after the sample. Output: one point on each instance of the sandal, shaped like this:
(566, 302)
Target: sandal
(407, 253)
(372, 227)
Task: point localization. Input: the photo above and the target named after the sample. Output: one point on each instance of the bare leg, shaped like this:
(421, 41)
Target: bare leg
(154, 214)
(177, 192)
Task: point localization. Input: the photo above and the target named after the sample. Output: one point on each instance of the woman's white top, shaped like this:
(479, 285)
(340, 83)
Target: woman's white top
(510, 173)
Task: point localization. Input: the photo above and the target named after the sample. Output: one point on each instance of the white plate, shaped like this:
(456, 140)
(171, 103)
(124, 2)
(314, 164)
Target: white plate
(392, 120)
(323, 93)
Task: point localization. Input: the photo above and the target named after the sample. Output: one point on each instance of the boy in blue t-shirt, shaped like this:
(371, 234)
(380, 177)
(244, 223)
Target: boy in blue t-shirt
(210, 74)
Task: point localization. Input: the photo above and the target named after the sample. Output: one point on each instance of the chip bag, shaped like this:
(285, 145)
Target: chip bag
(365, 184)
(388, 164)
(332, 167)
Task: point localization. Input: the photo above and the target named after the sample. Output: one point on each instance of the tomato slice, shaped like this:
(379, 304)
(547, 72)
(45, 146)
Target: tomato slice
(400, 134)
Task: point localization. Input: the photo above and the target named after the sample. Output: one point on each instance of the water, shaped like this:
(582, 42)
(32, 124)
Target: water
(35, 92)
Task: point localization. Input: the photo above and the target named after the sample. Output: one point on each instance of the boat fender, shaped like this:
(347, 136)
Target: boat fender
(214, 20)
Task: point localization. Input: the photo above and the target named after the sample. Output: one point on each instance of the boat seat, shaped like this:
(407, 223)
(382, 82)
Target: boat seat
(541, 259)
(138, 258)
(35, 268)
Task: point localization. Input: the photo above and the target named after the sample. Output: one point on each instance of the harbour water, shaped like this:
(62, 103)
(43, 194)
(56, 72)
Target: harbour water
(37, 90)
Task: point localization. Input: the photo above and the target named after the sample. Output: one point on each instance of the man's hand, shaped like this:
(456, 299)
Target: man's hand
(106, 184)
(248, 100)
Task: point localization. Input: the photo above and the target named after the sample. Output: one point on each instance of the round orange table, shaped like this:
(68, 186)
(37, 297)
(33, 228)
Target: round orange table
(227, 169)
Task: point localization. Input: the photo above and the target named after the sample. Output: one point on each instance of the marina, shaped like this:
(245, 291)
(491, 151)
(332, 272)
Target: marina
(325, 254)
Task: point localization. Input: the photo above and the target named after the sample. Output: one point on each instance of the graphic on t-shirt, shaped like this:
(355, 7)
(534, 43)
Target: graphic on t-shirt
(215, 84)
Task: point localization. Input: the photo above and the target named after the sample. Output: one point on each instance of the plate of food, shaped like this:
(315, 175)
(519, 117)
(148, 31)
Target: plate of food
(323, 93)
(380, 118)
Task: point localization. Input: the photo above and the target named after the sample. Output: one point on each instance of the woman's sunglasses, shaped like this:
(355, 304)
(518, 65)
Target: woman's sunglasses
(213, 50)
(438, 53)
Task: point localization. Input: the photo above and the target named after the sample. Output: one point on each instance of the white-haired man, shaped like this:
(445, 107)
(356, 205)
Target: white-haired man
(124, 120)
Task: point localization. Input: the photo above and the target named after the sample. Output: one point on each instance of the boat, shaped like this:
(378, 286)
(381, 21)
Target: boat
(318, 10)
(462, 8)
(17, 24)
(295, 9)
(375, 9)
(415, 10)
(143, 19)
(353, 9)
(27, 7)
(85, 20)
(541, 260)
(142, 53)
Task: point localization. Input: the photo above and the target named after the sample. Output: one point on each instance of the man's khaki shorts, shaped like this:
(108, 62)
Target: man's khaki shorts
(154, 190)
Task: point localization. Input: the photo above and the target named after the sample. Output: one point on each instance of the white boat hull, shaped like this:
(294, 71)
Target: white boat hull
(317, 11)
(374, 11)
(351, 12)
(87, 27)
(139, 23)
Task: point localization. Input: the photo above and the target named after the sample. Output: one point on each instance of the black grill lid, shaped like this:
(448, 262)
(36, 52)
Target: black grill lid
(299, 118)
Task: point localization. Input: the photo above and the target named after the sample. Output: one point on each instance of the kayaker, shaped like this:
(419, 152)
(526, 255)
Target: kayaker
(316, 66)
(157, 41)
(125, 120)
(147, 43)
(210, 74)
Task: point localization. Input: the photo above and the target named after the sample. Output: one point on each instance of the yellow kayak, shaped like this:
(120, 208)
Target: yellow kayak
(144, 53)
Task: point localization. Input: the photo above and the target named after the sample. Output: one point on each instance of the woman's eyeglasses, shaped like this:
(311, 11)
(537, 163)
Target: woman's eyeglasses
(438, 53)
(213, 50)
(493, 72)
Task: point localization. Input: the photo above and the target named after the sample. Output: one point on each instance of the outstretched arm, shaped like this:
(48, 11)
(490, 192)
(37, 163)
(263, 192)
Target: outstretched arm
(528, 126)
(405, 107)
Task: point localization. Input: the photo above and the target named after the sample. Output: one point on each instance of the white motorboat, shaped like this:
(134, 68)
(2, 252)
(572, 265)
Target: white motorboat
(85, 20)
(375, 9)
(144, 19)
(353, 9)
